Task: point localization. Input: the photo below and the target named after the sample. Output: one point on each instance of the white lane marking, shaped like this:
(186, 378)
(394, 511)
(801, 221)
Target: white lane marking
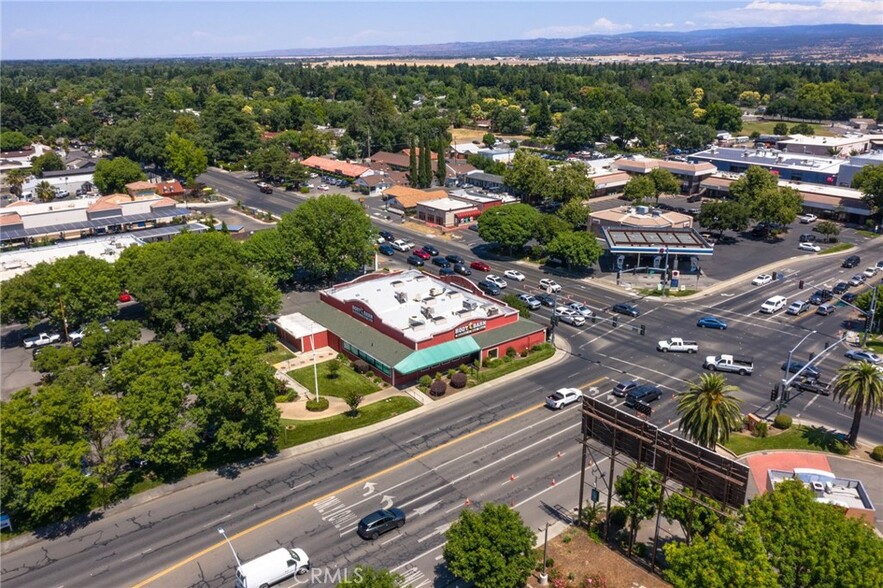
(302, 484)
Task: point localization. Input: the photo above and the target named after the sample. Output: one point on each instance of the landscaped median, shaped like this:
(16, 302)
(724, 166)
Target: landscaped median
(799, 438)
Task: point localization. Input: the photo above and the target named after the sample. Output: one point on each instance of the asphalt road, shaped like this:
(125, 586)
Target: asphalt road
(313, 500)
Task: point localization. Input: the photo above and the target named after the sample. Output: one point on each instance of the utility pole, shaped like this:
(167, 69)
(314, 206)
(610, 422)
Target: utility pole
(544, 577)
(869, 320)
(236, 557)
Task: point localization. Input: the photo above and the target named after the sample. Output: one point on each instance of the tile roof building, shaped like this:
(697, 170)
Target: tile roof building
(344, 169)
(406, 199)
(638, 217)
(690, 175)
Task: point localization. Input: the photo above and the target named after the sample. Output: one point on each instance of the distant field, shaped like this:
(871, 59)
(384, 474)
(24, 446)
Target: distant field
(766, 128)
(469, 135)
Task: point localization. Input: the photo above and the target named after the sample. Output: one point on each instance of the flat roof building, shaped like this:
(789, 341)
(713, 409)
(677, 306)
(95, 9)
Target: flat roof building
(826, 146)
(788, 166)
(689, 174)
(448, 212)
(829, 489)
(637, 217)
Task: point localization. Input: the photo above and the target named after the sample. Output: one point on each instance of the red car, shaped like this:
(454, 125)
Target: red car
(421, 254)
(125, 296)
(480, 266)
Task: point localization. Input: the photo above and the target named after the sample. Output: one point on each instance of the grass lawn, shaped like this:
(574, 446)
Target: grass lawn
(868, 234)
(668, 292)
(507, 367)
(305, 431)
(836, 248)
(797, 437)
(278, 355)
(765, 127)
(347, 379)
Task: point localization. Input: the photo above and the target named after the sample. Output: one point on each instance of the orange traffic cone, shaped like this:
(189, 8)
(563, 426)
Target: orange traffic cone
(553, 482)
(512, 478)
(559, 455)
(467, 502)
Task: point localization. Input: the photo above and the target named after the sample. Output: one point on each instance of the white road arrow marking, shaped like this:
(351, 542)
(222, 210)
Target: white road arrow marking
(386, 501)
(421, 510)
(368, 488)
(438, 531)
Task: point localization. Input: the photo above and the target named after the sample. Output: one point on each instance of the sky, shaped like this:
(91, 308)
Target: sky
(82, 29)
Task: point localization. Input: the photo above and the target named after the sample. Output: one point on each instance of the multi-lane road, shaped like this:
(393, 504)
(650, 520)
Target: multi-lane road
(498, 444)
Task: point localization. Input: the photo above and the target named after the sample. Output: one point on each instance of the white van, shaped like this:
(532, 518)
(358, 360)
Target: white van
(272, 568)
(774, 304)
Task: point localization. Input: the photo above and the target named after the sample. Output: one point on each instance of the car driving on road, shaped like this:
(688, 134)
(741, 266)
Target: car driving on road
(565, 315)
(581, 309)
(762, 280)
(531, 301)
(561, 398)
(497, 280)
(514, 275)
(480, 266)
(626, 308)
(646, 394)
(379, 522)
(550, 285)
(863, 355)
(809, 247)
(711, 322)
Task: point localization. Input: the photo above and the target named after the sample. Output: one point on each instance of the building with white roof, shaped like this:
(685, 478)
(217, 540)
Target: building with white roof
(849, 169)
(410, 323)
(788, 166)
(826, 146)
(447, 212)
(829, 489)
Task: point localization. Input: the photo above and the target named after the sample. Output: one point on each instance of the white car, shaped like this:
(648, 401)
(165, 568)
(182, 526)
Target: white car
(581, 309)
(808, 218)
(565, 315)
(323, 187)
(563, 397)
(870, 272)
(400, 245)
(514, 275)
(550, 285)
(762, 280)
(496, 281)
(809, 247)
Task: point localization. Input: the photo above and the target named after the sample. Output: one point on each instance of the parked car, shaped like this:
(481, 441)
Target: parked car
(626, 308)
(489, 288)
(547, 284)
(415, 261)
(441, 262)
(826, 309)
(514, 275)
(762, 280)
(461, 269)
(646, 394)
(795, 366)
(821, 296)
(849, 297)
(531, 301)
(809, 247)
(581, 309)
(807, 238)
(840, 288)
(851, 261)
(424, 255)
(879, 265)
(480, 266)
(387, 236)
(430, 249)
(41, 340)
(711, 322)
(870, 272)
(387, 249)
(546, 299)
(798, 307)
(561, 398)
(500, 282)
(808, 218)
(623, 388)
(379, 522)
(455, 258)
(863, 355)
(125, 296)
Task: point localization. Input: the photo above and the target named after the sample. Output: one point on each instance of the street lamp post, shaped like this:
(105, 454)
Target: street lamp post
(788, 369)
(224, 535)
(544, 577)
(315, 366)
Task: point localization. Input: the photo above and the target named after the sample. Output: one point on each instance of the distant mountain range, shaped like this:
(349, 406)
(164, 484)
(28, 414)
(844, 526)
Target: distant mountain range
(794, 42)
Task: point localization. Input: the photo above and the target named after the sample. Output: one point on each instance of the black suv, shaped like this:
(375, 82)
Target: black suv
(851, 261)
(441, 262)
(840, 287)
(489, 289)
(377, 523)
(462, 269)
(387, 235)
(820, 297)
(807, 238)
(455, 259)
(646, 393)
(430, 249)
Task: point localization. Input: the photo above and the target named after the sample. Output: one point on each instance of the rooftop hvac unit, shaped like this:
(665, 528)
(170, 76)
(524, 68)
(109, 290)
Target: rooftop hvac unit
(829, 487)
(415, 321)
(493, 311)
(642, 209)
(435, 291)
(401, 297)
(426, 311)
(818, 486)
(470, 304)
(657, 212)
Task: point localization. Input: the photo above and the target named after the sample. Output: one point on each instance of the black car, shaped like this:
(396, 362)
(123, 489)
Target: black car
(840, 287)
(455, 259)
(820, 297)
(441, 262)
(462, 269)
(811, 372)
(851, 261)
(430, 249)
(545, 299)
(387, 235)
(387, 249)
(646, 393)
(489, 288)
(445, 271)
(415, 261)
(807, 238)
(849, 297)
(626, 308)
(377, 523)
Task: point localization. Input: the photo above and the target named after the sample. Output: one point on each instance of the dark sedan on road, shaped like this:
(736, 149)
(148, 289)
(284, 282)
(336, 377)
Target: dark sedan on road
(379, 522)
(711, 322)
(796, 366)
(646, 393)
(849, 297)
(415, 261)
(462, 269)
(430, 249)
(840, 288)
(626, 308)
(387, 249)
(387, 235)
(820, 297)
(546, 299)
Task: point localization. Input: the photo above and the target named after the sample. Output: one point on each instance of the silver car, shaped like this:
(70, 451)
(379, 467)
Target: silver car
(565, 315)
(581, 309)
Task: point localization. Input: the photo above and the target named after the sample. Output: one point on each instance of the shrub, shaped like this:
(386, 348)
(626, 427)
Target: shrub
(538, 347)
(877, 453)
(458, 380)
(451, 373)
(438, 388)
(510, 353)
(760, 430)
(594, 581)
(464, 368)
(840, 448)
(641, 550)
(566, 539)
(361, 366)
(304, 190)
(317, 405)
(524, 353)
(424, 382)
(782, 421)
(618, 516)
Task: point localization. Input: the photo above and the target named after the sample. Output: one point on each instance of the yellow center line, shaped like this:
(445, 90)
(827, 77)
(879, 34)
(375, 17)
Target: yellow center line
(592, 383)
(300, 507)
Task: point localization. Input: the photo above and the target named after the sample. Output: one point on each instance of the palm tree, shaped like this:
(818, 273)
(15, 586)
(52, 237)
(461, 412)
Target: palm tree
(859, 385)
(45, 192)
(708, 410)
(14, 179)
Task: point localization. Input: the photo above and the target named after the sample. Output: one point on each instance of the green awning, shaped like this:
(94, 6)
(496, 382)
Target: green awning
(437, 354)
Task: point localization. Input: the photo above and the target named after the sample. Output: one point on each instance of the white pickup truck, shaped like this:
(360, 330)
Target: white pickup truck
(677, 344)
(41, 340)
(730, 363)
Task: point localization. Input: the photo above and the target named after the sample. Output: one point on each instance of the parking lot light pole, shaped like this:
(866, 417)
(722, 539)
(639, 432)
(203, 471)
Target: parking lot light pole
(788, 370)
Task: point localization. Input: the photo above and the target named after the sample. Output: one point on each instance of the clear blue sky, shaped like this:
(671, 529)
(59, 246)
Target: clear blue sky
(156, 28)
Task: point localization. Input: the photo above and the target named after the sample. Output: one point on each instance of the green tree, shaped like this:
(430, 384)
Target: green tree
(695, 513)
(199, 283)
(228, 131)
(528, 176)
(828, 229)
(758, 189)
(15, 178)
(721, 116)
(270, 161)
(709, 412)
(491, 548)
(13, 141)
(328, 235)
(575, 213)
(580, 249)
(548, 227)
(489, 140)
(724, 215)
(49, 161)
(184, 158)
(859, 385)
(425, 162)
(441, 166)
(638, 489)
(869, 181)
(542, 120)
(639, 189)
(112, 175)
(780, 129)
(268, 251)
(518, 304)
(414, 173)
(803, 129)
(353, 399)
(45, 192)
(366, 577)
(664, 182)
(571, 182)
(511, 227)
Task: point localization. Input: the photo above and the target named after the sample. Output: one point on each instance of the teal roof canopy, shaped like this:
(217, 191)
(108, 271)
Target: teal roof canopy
(437, 354)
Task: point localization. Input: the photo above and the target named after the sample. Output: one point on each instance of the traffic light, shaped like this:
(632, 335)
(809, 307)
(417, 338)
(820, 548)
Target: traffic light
(594, 319)
(774, 394)
(800, 284)
(787, 395)
(615, 320)
(643, 330)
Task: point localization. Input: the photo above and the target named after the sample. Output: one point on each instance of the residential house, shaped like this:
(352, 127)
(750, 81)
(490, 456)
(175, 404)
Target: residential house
(373, 185)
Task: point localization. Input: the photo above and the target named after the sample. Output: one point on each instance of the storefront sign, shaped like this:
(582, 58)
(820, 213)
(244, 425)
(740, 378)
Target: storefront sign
(469, 328)
(363, 313)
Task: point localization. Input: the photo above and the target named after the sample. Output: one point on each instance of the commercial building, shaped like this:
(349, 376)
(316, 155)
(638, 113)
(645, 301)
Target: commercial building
(332, 167)
(409, 324)
(827, 146)
(829, 489)
(480, 202)
(788, 166)
(637, 217)
(656, 248)
(849, 169)
(447, 212)
(689, 174)
(405, 200)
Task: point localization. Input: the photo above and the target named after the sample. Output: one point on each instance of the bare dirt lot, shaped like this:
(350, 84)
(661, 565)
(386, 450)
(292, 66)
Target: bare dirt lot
(468, 135)
(582, 557)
